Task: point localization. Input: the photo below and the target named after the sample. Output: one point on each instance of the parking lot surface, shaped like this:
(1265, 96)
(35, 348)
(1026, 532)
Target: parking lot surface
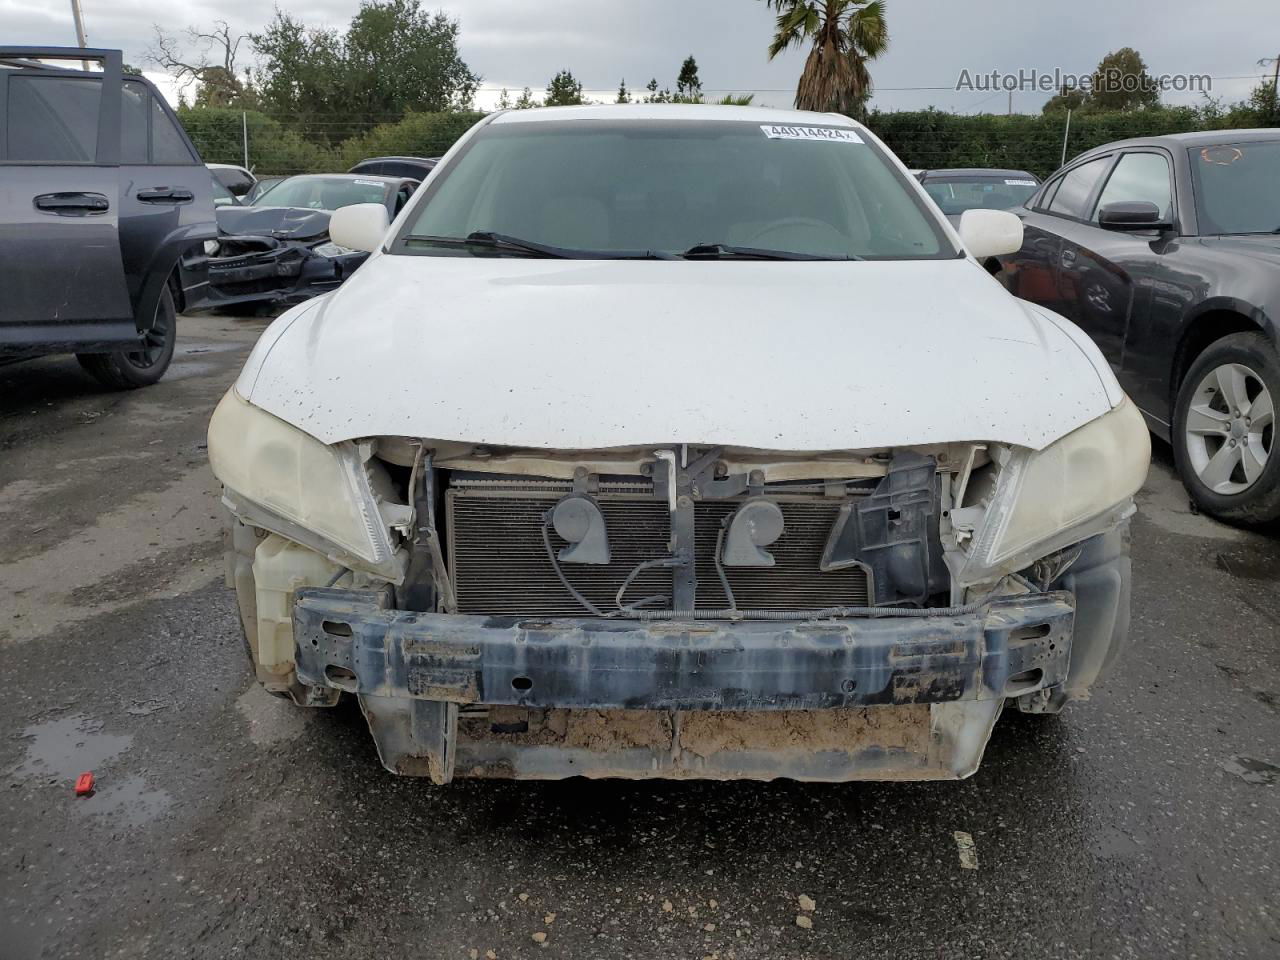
(1144, 823)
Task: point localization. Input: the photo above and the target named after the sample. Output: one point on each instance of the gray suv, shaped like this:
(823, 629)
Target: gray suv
(105, 207)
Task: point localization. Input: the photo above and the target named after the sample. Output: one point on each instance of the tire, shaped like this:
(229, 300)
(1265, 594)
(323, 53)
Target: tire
(130, 369)
(1232, 387)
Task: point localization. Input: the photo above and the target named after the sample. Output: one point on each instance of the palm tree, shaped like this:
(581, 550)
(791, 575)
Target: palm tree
(845, 35)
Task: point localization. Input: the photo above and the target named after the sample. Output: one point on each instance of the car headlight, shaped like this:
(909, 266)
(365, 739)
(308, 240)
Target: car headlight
(1037, 502)
(280, 478)
(331, 250)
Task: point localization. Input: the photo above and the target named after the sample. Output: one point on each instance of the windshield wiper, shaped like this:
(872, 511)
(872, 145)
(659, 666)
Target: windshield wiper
(502, 243)
(723, 251)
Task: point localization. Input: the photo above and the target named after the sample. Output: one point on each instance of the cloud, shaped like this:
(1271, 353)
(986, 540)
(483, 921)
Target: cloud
(517, 43)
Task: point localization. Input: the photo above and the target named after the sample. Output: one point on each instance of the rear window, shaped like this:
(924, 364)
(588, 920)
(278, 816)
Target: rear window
(53, 119)
(955, 195)
(322, 193)
(1235, 186)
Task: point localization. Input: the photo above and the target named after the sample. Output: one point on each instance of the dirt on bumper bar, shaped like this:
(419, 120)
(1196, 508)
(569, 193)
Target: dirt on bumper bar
(882, 698)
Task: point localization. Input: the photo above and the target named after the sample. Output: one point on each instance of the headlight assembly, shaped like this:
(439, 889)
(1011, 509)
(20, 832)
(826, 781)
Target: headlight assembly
(331, 250)
(287, 481)
(1037, 502)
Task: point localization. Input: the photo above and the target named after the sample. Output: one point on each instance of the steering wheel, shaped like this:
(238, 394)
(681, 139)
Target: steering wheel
(818, 230)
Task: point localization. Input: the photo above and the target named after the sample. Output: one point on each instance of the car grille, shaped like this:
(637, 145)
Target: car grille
(500, 567)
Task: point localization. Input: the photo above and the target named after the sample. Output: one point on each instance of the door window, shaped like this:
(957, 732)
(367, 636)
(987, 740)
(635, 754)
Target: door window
(53, 119)
(136, 101)
(167, 143)
(1140, 176)
(1073, 195)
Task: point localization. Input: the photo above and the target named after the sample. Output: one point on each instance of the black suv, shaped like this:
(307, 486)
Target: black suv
(105, 207)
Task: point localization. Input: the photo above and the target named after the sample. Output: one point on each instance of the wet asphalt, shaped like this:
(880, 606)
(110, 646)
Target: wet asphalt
(1144, 823)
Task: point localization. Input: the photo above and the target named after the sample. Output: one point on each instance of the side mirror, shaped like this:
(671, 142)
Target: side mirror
(360, 226)
(1132, 215)
(990, 233)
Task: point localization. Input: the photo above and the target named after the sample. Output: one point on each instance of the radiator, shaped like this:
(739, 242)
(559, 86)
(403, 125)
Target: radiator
(499, 564)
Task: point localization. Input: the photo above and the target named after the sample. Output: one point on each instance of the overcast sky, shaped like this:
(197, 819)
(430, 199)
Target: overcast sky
(518, 43)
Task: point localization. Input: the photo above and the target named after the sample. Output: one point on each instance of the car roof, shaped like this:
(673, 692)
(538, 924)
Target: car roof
(674, 111)
(978, 172)
(345, 176)
(409, 159)
(1204, 138)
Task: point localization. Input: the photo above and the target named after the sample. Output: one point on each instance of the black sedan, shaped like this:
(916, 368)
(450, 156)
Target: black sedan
(275, 250)
(977, 188)
(416, 167)
(1166, 251)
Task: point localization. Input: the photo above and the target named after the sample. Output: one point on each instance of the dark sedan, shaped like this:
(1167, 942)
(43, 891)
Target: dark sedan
(275, 249)
(977, 188)
(1166, 251)
(418, 168)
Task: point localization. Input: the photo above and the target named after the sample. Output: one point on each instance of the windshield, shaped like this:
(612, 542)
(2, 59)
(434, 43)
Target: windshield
(955, 195)
(668, 186)
(322, 193)
(1235, 186)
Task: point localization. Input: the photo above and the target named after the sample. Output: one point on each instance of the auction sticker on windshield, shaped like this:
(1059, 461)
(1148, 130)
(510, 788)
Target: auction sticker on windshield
(782, 131)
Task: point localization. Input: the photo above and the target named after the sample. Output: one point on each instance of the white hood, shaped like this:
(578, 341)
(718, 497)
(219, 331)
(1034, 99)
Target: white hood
(797, 356)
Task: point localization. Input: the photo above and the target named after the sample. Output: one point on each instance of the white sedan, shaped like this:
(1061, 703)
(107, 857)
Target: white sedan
(678, 441)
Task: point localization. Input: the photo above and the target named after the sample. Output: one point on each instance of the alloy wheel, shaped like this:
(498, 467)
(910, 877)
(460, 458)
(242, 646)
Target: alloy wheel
(1230, 428)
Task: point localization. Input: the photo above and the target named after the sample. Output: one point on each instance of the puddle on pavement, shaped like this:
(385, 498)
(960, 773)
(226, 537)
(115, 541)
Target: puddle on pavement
(62, 749)
(129, 803)
(1252, 771)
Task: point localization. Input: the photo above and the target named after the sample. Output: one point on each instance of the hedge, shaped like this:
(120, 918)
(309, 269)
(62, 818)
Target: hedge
(924, 138)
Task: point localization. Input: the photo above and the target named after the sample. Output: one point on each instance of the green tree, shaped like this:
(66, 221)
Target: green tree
(526, 101)
(1121, 82)
(1071, 98)
(624, 95)
(736, 99)
(393, 57)
(687, 83)
(504, 100)
(564, 91)
(1265, 104)
(655, 95)
(843, 35)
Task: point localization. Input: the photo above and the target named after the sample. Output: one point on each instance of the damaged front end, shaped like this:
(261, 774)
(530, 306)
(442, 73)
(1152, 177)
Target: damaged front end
(253, 269)
(673, 611)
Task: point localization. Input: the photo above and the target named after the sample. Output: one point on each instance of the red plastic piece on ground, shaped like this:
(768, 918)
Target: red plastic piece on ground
(84, 784)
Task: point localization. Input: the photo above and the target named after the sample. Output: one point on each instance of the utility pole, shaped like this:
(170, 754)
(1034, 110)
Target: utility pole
(1275, 76)
(1011, 103)
(1065, 134)
(78, 16)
